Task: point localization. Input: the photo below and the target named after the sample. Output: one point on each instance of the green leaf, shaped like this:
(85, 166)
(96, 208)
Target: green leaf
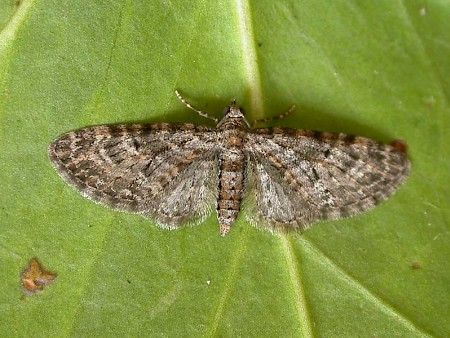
(378, 69)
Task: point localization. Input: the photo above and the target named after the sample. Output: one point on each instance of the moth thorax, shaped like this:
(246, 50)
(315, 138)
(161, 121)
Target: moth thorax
(233, 123)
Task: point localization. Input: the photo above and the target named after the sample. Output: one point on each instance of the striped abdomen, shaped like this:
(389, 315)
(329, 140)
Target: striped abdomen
(231, 178)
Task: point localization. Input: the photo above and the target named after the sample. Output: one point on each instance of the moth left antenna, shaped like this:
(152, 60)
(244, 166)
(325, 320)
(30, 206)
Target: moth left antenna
(199, 112)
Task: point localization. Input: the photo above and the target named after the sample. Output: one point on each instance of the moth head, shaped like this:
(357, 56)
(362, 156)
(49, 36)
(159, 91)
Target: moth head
(233, 110)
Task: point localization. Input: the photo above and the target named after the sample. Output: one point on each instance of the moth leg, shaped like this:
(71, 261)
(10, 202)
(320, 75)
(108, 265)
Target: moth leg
(199, 112)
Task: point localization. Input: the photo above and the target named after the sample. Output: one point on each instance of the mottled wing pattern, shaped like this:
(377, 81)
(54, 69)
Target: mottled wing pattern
(297, 177)
(162, 171)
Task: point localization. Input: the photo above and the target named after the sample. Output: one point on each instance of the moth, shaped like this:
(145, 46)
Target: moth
(282, 179)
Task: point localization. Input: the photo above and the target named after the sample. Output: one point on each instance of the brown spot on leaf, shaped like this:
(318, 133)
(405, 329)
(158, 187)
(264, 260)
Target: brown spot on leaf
(399, 145)
(416, 266)
(35, 277)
